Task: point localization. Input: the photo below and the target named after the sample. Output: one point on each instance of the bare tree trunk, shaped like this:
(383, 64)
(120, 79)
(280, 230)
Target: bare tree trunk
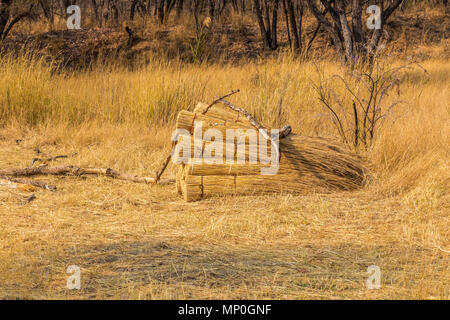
(67, 3)
(316, 31)
(351, 42)
(243, 8)
(97, 5)
(262, 27)
(377, 33)
(115, 13)
(212, 8)
(4, 16)
(223, 6)
(179, 7)
(329, 27)
(47, 9)
(286, 17)
(133, 9)
(300, 8)
(358, 33)
(77, 171)
(235, 6)
(161, 11)
(169, 6)
(345, 30)
(197, 9)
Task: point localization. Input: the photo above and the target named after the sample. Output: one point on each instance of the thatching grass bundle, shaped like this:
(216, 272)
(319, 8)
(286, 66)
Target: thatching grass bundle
(305, 164)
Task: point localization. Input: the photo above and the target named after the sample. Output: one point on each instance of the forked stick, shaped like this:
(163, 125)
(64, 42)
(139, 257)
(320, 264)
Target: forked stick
(164, 165)
(218, 100)
(62, 170)
(283, 133)
(25, 182)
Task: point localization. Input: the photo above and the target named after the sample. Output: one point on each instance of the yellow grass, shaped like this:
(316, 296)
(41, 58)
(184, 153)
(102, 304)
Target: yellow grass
(145, 242)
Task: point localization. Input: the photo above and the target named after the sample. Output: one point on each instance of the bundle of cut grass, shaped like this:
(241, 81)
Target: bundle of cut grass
(219, 164)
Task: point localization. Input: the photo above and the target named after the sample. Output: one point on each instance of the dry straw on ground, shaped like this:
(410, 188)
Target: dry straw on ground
(306, 165)
(135, 241)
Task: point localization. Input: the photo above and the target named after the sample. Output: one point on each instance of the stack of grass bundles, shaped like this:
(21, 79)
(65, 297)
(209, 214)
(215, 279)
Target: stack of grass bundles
(305, 164)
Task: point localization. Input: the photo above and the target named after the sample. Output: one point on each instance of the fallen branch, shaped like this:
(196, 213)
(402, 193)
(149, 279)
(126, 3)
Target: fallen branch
(164, 165)
(77, 171)
(28, 199)
(34, 160)
(217, 100)
(285, 131)
(12, 185)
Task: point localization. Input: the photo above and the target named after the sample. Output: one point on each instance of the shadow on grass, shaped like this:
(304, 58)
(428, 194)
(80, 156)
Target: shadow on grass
(124, 270)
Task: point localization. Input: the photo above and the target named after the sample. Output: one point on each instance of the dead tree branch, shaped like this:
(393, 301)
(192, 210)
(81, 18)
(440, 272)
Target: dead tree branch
(34, 160)
(286, 130)
(28, 199)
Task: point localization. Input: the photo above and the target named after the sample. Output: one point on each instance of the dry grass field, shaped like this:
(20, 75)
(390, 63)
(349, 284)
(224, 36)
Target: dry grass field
(137, 241)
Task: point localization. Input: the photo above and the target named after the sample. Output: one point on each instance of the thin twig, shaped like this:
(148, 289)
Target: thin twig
(287, 129)
(28, 199)
(218, 99)
(169, 156)
(284, 132)
(164, 165)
